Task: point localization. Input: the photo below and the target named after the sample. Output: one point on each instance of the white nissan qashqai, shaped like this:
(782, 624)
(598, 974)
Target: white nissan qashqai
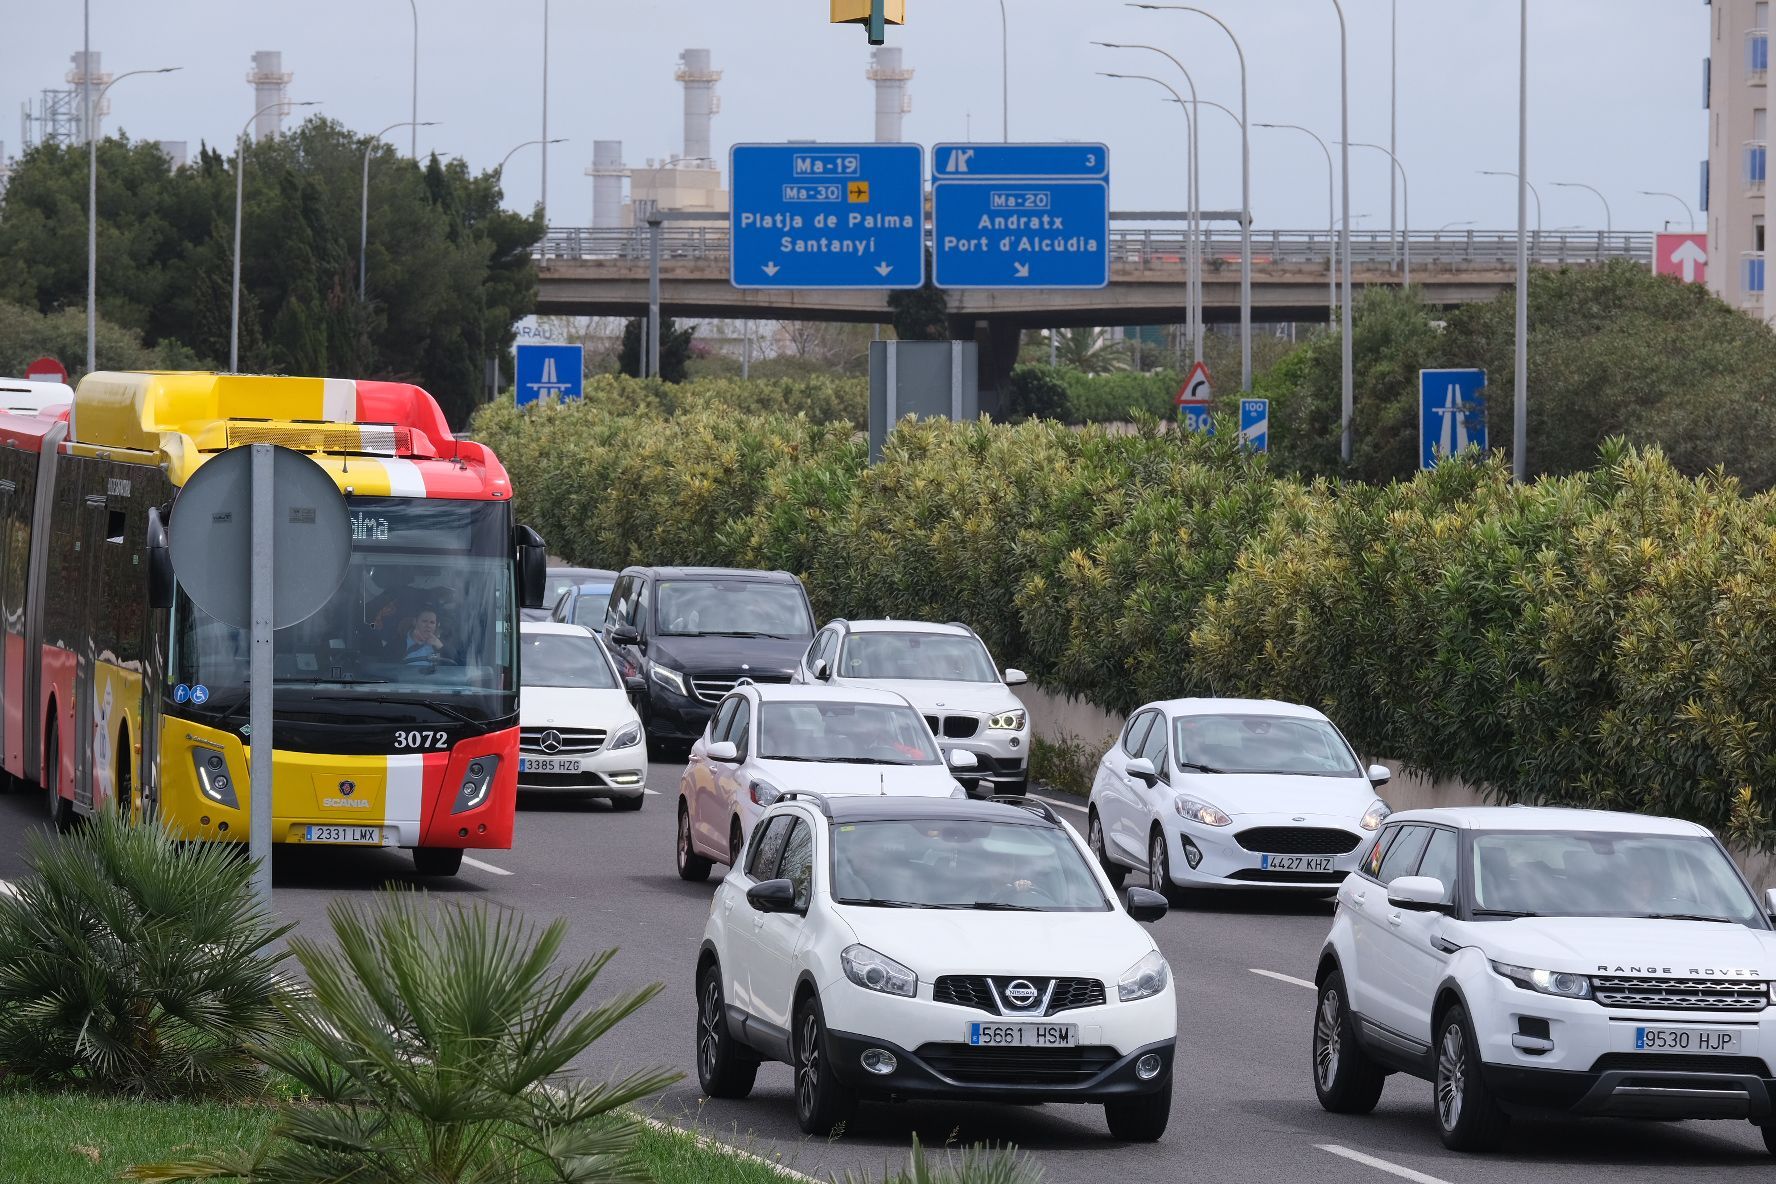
(899, 948)
(1548, 959)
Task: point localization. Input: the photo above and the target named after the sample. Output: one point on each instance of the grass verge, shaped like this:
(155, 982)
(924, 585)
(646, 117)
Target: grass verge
(1065, 764)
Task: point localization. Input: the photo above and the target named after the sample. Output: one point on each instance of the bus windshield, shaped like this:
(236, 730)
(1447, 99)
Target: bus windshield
(426, 609)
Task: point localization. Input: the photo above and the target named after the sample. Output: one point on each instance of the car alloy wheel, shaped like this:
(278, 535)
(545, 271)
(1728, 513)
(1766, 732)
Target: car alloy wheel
(1159, 870)
(709, 1026)
(808, 1064)
(691, 866)
(1328, 1037)
(1452, 1068)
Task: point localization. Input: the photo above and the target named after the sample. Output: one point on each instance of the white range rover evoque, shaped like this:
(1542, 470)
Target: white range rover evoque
(1539, 959)
(934, 948)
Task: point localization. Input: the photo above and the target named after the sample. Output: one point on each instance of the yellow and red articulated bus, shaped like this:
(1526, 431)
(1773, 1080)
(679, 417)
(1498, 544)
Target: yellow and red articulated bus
(395, 705)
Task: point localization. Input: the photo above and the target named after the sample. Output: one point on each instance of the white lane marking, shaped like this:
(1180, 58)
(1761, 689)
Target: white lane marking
(724, 1148)
(1283, 978)
(486, 867)
(652, 792)
(7, 889)
(1061, 804)
(1380, 1165)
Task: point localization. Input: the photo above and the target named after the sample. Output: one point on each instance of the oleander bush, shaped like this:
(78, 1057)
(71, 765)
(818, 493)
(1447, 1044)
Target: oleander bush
(822, 398)
(1598, 638)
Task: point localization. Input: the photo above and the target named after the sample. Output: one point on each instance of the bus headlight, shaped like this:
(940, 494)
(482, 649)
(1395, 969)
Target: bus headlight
(213, 779)
(477, 783)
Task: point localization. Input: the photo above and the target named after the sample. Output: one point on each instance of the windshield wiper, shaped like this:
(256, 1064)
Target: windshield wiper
(1000, 906)
(1200, 768)
(455, 713)
(1688, 917)
(851, 760)
(1506, 913)
(878, 902)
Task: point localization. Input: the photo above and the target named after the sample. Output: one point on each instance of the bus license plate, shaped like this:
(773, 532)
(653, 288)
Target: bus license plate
(1024, 1035)
(1712, 1040)
(370, 836)
(1296, 863)
(548, 764)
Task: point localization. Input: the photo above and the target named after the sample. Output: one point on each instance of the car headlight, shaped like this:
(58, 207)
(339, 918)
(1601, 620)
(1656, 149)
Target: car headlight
(764, 793)
(1144, 979)
(672, 680)
(1546, 982)
(477, 783)
(1376, 814)
(1007, 721)
(878, 972)
(628, 737)
(1199, 811)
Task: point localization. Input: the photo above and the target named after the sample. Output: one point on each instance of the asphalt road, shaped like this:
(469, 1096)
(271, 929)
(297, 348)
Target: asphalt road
(1244, 1107)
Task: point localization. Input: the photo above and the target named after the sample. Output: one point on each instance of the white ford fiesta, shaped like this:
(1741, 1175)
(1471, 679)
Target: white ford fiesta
(1233, 793)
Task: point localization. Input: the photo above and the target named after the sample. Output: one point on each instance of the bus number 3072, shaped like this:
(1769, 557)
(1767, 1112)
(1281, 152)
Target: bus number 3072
(422, 739)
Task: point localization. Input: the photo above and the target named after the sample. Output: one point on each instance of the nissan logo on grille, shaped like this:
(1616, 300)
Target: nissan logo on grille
(551, 741)
(1021, 994)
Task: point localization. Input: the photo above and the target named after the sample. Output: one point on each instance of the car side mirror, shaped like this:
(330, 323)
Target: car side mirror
(1770, 902)
(1141, 769)
(161, 582)
(961, 758)
(1380, 775)
(723, 751)
(822, 671)
(772, 896)
(1015, 677)
(624, 634)
(1146, 905)
(533, 568)
(1418, 894)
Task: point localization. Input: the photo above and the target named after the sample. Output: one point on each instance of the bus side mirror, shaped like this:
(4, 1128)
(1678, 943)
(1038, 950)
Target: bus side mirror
(533, 568)
(160, 563)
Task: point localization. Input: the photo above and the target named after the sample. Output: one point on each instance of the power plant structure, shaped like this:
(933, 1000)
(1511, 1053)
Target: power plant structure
(690, 182)
(271, 93)
(892, 100)
(608, 173)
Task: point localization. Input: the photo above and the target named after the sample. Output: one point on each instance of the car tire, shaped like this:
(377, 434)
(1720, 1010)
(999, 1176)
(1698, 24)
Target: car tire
(1013, 789)
(628, 805)
(1468, 1117)
(1094, 832)
(691, 866)
(723, 1068)
(1769, 1132)
(822, 1103)
(1140, 1119)
(61, 810)
(437, 861)
(736, 844)
(1159, 867)
(1347, 1079)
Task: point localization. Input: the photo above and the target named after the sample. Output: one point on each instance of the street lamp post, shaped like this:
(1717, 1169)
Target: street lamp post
(499, 169)
(413, 148)
(1520, 376)
(1331, 219)
(1674, 197)
(240, 172)
(543, 201)
(1004, 75)
(1405, 209)
(364, 212)
(1534, 193)
(1609, 221)
(1447, 225)
(92, 209)
(1245, 193)
(1394, 118)
(1347, 381)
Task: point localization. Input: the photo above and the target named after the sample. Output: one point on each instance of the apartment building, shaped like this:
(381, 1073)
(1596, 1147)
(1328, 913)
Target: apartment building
(1735, 91)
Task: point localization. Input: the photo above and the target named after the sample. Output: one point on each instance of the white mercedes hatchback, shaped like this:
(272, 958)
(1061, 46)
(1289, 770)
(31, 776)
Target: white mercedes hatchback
(904, 948)
(577, 731)
(1233, 793)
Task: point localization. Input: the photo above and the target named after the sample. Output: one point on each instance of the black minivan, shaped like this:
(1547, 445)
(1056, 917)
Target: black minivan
(694, 632)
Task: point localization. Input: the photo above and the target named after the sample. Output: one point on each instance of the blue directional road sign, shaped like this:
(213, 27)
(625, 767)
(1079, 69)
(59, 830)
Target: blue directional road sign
(1021, 215)
(1255, 424)
(549, 371)
(827, 216)
(1197, 417)
(1451, 413)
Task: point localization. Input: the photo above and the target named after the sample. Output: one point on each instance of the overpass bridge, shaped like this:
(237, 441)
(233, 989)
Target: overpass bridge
(584, 272)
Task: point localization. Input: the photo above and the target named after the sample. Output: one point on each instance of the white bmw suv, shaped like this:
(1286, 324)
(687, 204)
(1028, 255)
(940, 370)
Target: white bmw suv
(895, 948)
(1549, 959)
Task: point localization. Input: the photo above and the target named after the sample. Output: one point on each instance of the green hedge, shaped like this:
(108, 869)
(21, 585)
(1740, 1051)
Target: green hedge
(1604, 638)
(822, 398)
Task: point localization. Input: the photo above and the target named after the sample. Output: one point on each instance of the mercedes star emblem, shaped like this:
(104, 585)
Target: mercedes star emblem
(1021, 994)
(551, 741)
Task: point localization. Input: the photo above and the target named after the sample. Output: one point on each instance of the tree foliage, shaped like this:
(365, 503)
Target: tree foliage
(448, 270)
(675, 348)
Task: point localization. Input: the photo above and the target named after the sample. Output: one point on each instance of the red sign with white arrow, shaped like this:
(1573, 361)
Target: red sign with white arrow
(1682, 255)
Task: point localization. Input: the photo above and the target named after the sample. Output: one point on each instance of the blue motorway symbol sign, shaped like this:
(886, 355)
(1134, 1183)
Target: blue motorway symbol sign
(1451, 413)
(1196, 417)
(1255, 424)
(827, 216)
(1021, 215)
(549, 371)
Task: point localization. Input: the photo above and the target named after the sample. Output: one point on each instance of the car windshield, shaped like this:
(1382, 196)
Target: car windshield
(747, 608)
(565, 660)
(862, 733)
(949, 657)
(590, 605)
(1569, 874)
(560, 579)
(955, 864)
(1263, 744)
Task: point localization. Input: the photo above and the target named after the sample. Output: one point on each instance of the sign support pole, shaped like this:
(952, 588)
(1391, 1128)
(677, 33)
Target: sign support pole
(259, 687)
(653, 325)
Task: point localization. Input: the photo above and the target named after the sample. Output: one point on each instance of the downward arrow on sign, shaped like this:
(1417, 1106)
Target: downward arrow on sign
(1021, 270)
(772, 268)
(882, 269)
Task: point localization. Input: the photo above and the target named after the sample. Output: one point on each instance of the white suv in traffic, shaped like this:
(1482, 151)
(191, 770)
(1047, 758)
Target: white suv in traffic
(1233, 793)
(765, 740)
(1549, 959)
(898, 948)
(946, 672)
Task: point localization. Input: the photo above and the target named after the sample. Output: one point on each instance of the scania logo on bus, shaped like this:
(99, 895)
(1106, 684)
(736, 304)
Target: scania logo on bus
(1021, 994)
(551, 741)
(348, 788)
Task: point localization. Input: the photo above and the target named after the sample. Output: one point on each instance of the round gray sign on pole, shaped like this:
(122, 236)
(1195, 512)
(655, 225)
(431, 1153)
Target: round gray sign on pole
(211, 537)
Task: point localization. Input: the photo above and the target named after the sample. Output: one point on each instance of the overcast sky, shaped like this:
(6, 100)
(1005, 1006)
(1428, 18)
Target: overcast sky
(1615, 87)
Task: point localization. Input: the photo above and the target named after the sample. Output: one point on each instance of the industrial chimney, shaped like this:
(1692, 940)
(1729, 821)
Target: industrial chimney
(892, 99)
(271, 85)
(607, 173)
(701, 103)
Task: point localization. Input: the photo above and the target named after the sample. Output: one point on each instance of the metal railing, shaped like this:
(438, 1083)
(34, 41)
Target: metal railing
(1168, 249)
